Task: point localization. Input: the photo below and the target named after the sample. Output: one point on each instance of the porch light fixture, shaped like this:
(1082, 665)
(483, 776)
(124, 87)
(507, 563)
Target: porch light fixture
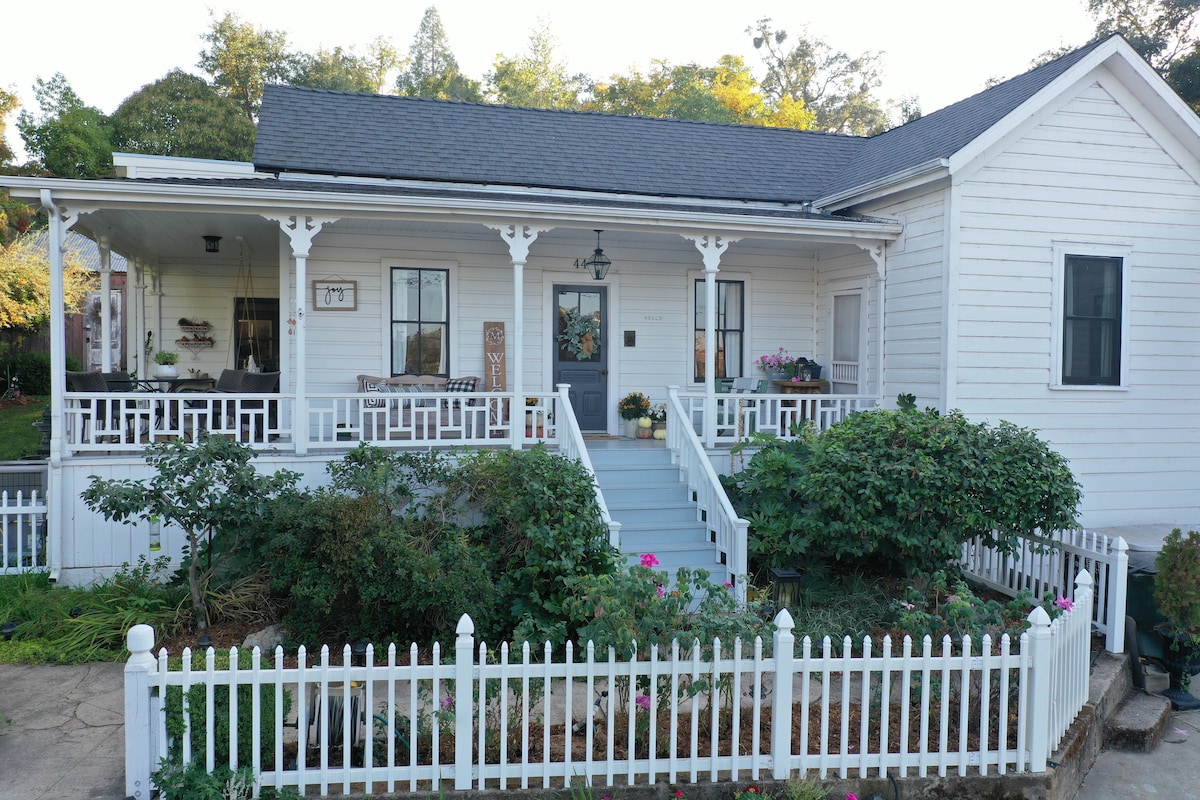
(212, 244)
(597, 263)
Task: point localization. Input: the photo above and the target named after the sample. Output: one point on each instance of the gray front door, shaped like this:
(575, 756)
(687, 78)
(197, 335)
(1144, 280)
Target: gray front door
(581, 351)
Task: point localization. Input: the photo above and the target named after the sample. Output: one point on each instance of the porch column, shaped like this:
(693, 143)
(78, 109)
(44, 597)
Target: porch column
(300, 231)
(61, 221)
(105, 305)
(136, 320)
(878, 254)
(518, 236)
(711, 246)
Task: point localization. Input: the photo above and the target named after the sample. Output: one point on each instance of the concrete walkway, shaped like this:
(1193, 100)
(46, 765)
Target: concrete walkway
(61, 732)
(1171, 770)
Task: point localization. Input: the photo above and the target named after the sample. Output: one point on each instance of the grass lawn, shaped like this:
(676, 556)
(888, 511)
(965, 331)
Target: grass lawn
(18, 437)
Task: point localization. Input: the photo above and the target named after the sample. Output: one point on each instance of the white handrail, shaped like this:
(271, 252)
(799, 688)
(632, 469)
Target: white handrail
(571, 445)
(727, 528)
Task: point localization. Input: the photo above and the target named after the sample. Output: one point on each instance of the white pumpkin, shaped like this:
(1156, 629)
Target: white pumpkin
(660, 434)
(645, 422)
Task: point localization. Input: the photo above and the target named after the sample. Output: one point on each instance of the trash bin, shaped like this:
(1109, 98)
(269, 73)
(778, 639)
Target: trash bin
(1139, 602)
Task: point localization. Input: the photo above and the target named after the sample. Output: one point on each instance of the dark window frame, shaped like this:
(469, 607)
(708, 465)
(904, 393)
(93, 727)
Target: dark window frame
(1099, 330)
(720, 329)
(418, 321)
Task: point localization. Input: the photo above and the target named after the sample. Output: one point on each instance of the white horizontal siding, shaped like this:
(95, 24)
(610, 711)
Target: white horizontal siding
(1090, 173)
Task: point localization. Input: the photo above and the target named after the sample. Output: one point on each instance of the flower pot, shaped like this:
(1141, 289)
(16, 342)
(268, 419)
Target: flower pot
(631, 428)
(812, 372)
(165, 371)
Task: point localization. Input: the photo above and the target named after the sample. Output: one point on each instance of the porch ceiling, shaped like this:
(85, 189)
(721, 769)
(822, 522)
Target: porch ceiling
(164, 237)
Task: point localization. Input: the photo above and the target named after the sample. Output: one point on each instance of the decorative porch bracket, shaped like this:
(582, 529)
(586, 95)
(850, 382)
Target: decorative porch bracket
(711, 246)
(62, 220)
(300, 231)
(878, 254)
(518, 236)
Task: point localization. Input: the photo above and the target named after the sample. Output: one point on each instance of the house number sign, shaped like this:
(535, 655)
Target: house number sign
(335, 295)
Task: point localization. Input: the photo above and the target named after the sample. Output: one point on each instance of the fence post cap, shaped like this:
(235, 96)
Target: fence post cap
(1038, 618)
(465, 626)
(784, 621)
(140, 639)
(1084, 578)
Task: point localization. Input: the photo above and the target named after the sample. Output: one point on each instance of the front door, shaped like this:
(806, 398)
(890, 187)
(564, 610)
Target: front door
(847, 344)
(581, 352)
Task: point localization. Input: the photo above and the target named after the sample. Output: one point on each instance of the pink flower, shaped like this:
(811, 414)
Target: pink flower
(648, 560)
(849, 796)
(1064, 603)
(660, 591)
(907, 606)
(643, 700)
(728, 585)
(678, 794)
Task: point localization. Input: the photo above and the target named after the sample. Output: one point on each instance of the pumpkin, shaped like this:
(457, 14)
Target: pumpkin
(645, 422)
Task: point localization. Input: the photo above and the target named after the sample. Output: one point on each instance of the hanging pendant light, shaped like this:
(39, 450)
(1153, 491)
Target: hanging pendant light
(597, 263)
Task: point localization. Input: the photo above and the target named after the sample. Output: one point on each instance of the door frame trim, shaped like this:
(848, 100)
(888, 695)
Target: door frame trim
(548, 305)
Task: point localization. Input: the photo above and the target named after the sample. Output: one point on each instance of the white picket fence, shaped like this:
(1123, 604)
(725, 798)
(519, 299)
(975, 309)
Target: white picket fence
(503, 720)
(1041, 569)
(22, 532)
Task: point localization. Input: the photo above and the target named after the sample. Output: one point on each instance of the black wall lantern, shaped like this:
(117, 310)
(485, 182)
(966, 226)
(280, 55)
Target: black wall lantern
(597, 263)
(212, 244)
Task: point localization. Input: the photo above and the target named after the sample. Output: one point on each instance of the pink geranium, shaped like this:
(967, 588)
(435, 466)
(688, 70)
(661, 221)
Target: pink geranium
(649, 561)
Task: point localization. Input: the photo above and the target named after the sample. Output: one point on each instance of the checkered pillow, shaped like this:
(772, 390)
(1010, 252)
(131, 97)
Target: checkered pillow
(460, 385)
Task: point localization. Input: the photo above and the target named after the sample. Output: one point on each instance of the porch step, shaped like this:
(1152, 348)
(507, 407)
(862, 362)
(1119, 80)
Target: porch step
(1139, 722)
(644, 493)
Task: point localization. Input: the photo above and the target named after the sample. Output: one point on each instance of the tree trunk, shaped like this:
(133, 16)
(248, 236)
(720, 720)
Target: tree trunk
(195, 585)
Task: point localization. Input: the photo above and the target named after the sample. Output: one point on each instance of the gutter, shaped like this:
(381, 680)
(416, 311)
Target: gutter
(910, 178)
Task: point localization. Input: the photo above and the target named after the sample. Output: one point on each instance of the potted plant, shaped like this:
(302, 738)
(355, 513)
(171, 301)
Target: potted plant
(1177, 598)
(658, 420)
(633, 407)
(166, 361)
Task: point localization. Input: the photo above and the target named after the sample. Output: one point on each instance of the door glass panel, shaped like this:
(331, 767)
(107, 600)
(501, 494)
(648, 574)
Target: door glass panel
(586, 304)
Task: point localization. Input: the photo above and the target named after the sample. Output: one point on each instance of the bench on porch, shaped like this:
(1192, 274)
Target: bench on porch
(419, 416)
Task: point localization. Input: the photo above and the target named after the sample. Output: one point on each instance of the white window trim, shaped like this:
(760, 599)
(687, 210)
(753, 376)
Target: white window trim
(842, 288)
(385, 282)
(694, 275)
(1058, 305)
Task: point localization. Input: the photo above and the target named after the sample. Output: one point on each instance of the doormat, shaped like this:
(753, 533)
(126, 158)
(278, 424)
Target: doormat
(588, 437)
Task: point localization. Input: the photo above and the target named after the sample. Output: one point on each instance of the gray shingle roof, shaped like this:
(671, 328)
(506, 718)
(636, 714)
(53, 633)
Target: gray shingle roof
(381, 136)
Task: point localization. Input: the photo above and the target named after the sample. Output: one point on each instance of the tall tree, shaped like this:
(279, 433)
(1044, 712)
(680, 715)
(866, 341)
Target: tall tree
(8, 104)
(182, 115)
(432, 70)
(1164, 32)
(242, 59)
(68, 138)
(25, 283)
(346, 71)
(537, 79)
(835, 87)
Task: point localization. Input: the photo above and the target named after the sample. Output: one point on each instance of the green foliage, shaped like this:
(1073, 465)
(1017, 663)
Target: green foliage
(198, 698)
(69, 138)
(948, 606)
(725, 92)
(18, 437)
(839, 605)
(541, 524)
(903, 487)
(1177, 586)
(182, 115)
(73, 626)
(634, 406)
(243, 59)
(209, 489)
(31, 369)
(836, 88)
(174, 779)
(432, 71)
(536, 79)
(636, 607)
(344, 70)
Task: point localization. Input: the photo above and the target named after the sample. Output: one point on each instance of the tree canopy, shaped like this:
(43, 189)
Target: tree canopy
(25, 283)
(431, 70)
(243, 59)
(68, 138)
(1164, 32)
(536, 79)
(344, 70)
(182, 115)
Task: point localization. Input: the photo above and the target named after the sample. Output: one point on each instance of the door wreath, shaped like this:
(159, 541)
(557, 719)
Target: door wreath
(580, 334)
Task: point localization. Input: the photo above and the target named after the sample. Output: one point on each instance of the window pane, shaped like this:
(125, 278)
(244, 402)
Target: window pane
(406, 301)
(1092, 320)
(433, 296)
(404, 337)
(729, 325)
(420, 321)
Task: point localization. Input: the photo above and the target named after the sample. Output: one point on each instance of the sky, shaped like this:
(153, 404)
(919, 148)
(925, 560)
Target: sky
(940, 51)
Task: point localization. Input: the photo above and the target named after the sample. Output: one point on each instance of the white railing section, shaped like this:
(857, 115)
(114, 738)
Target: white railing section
(22, 532)
(843, 372)
(726, 529)
(572, 445)
(1044, 564)
(128, 421)
(740, 415)
(502, 719)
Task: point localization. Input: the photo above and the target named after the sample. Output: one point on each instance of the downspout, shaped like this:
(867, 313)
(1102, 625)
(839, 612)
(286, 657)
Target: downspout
(58, 381)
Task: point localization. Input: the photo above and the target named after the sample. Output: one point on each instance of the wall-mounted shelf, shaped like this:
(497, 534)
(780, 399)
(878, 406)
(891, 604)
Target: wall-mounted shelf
(192, 344)
(195, 329)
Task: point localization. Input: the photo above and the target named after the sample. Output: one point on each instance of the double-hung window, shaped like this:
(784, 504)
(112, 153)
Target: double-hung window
(1092, 309)
(420, 321)
(730, 327)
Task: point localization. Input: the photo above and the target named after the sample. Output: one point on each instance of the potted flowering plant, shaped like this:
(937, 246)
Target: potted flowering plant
(781, 366)
(658, 420)
(632, 408)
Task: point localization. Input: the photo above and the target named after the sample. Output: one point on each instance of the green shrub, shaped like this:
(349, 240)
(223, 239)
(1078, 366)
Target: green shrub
(197, 710)
(904, 488)
(32, 370)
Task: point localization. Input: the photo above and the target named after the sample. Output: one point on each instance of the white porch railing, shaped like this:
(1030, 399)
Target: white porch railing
(1039, 569)
(499, 719)
(727, 531)
(22, 533)
(128, 421)
(740, 415)
(571, 445)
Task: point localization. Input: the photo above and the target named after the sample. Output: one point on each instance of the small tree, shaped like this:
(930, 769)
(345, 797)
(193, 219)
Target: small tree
(210, 490)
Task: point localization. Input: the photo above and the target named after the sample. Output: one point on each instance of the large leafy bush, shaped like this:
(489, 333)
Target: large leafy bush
(903, 488)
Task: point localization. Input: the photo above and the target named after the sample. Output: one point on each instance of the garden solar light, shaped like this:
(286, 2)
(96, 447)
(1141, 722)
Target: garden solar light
(7, 630)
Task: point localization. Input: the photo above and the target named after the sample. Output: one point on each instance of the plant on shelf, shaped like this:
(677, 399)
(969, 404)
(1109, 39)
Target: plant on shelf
(1177, 597)
(782, 364)
(634, 405)
(580, 333)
